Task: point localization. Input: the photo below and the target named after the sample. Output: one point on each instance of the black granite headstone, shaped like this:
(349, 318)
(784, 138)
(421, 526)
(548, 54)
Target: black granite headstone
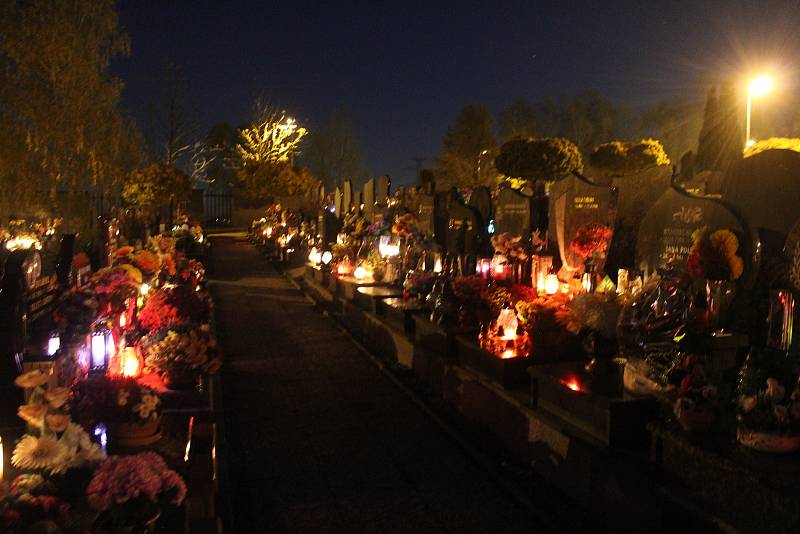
(465, 232)
(481, 200)
(328, 226)
(513, 213)
(382, 190)
(575, 204)
(665, 234)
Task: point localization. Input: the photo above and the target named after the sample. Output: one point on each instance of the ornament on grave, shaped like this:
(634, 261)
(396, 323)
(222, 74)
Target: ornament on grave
(582, 219)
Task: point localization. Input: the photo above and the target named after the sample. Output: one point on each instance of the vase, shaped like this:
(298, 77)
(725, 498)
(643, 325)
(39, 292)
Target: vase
(133, 434)
(718, 296)
(181, 378)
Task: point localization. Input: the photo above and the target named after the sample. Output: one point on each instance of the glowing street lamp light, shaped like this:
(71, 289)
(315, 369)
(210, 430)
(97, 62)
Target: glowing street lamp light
(758, 86)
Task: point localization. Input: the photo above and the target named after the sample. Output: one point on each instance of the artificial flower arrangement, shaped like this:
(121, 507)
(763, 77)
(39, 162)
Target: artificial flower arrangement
(768, 403)
(405, 226)
(353, 224)
(591, 241)
(130, 411)
(114, 287)
(171, 306)
(510, 247)
(378, 229)
(132, 491)
(714, 255)
(53, 444)
(147, 262)
(696, 399)
(417, 284)
(179, 354)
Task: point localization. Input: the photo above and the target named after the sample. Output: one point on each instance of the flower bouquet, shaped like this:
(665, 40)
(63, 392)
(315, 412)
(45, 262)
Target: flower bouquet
(171, 306)
(591, 240)
(510, 247)
(768, 403)
(147, 262)
(130, 411)
(53, 444)
(696, 402)
(179, 355)
(129, 492)
(417, 284)
(405, 226)
(113, 287)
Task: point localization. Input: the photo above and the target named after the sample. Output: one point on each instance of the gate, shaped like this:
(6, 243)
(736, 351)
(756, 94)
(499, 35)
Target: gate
(217, 208)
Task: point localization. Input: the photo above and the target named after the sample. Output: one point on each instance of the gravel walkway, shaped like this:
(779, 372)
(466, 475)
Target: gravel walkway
(318, 439)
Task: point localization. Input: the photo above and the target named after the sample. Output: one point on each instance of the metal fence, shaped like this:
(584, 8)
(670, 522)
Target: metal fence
(217, 208)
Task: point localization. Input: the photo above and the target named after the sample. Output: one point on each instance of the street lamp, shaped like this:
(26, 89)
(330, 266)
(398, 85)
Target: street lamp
(759, 86)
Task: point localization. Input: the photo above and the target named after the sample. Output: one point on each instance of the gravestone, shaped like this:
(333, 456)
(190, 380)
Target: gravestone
(328, 226)
(357, 201)
(575, 205)
(465, 232)
(347, 196)
(481, 200)
(665, 234)
(369, 200)
(382, 190)
(425, 214)
(440, 217)
(321, 194)
(337, 202)
(513, 213)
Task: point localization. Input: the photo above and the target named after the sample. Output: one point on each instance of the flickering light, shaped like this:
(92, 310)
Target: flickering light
(123, 321)
(507, 321)
(53, 344)
(551, 284)
(437, 265)
(587, 283)
(129, 364)
(343, 268)
(327, 257)
(508, 353)
(101, 433)
(573, 384)
(268, 232)
(144, 289)
(98, 350)
(388, 250)
(360, 273)
(315, 256)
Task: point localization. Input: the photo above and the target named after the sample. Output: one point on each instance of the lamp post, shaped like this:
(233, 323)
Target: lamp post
(758, 86)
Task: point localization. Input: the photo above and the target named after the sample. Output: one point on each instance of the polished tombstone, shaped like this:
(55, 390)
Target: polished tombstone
(328, 226)
(337, 202)
(513, 213)
(382, 186)
(665, 235)
(347, 197)
(481, 201)
(425, 214)
(466, 236)
(368, 199)
(575, 205)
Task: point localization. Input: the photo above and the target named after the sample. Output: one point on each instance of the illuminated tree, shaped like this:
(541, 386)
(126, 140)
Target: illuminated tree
(274, 138)
(156, 186)
(540, 158)
(617, 158)
(773, 143)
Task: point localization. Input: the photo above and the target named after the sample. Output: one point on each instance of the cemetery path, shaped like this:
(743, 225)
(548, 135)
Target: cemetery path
(318, 439)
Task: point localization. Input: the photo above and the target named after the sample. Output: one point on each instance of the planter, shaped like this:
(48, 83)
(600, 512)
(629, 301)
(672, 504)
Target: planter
(181, 379)
(133, 434)
(765, 442)
(508, 372)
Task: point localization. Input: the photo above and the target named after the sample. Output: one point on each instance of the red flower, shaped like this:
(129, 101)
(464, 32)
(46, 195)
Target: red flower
(591, 239)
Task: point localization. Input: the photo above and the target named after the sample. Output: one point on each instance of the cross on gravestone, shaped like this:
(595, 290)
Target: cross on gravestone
(576, 205)
(513, 213)
(382, 190)
(337, 202)
(369, 199)
(665, 234)
(481, 200)
(347, 196)
(425, 213)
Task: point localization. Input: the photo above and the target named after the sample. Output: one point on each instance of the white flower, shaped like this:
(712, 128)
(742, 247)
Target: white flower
(45, 452)
(775, 391)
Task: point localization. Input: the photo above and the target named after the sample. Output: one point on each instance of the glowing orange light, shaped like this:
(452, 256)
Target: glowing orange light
(551, 284)
(573, 384)
(129, 364)
(122, 320)
(508, 353)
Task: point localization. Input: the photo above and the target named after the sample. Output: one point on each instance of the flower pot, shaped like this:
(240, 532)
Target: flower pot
(134, 434)
(181, 379)
(766, 442)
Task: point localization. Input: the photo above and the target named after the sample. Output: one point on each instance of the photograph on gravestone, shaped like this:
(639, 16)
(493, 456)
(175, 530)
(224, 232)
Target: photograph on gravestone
(512, 213)
(665, 234)
(368, 199)
(337, 202)
(582, 217)
(347, 196)
(425, 214)
(481, 201)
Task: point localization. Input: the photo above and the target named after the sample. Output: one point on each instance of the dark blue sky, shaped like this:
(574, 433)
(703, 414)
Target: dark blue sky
(405, 69)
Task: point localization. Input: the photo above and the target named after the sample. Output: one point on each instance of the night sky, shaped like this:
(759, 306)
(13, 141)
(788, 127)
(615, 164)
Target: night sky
(405, 70)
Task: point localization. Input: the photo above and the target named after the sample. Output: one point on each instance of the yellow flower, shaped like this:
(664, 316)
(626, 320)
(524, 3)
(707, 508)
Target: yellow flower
(32, 413)
(31, 379)
(57, 422)
(56, 397)
(45, 452)
(737, 267)
(726, 241)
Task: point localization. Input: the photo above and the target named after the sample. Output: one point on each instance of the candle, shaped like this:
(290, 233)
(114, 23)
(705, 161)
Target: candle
(360, 273)
(2, 458)
(551, 284)
(437, 265)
